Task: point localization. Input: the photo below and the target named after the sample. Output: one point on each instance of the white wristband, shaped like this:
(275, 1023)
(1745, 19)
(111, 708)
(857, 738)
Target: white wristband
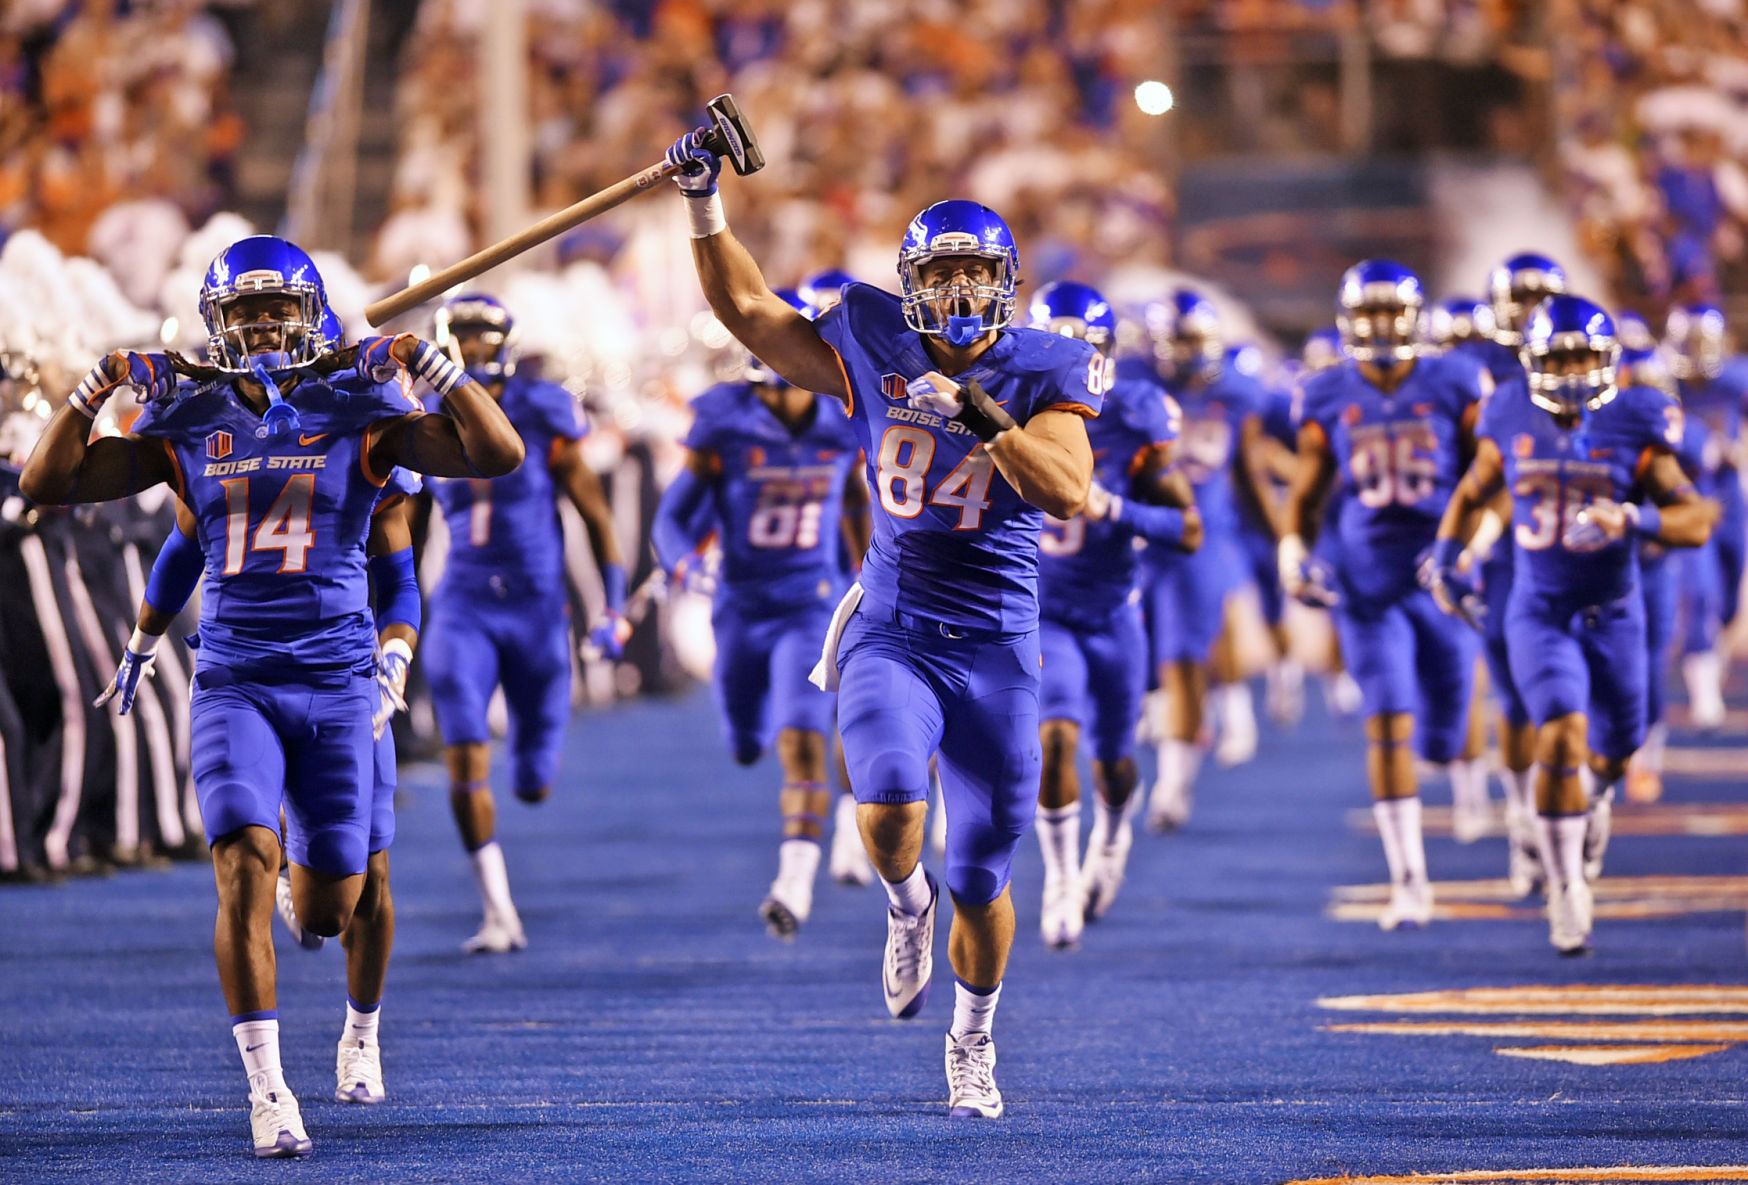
(398, 646)
(705, 215)
(143, 644)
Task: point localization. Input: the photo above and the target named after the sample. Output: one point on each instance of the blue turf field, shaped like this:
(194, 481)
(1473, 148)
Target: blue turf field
(653, 1032)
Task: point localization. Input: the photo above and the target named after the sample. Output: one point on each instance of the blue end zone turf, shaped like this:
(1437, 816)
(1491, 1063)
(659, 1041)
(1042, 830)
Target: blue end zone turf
(652, 1031)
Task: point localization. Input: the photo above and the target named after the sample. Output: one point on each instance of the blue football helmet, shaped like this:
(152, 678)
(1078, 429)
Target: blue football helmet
(1697, 340)
(333, 334)
(1516, 286)
(477, 313)
(961, 313)
(1459, 319)
(1563, 329)
(758, 372)
(1075, 310)
(258, 265)
(1378, 311)
(1322, 349)
(1188, 342)
(825, 288)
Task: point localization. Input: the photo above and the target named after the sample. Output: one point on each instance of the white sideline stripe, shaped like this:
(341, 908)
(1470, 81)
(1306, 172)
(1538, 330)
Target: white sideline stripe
(8, 838)
(54, 630)
(127, 743)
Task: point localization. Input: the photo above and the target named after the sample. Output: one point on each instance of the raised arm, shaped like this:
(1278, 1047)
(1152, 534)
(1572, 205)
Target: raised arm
(472, 438)
(67, 466)
(760, 320)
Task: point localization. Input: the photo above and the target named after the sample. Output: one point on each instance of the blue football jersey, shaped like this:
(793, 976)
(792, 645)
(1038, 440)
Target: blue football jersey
(1718, 403)
(1213, 416)
(953, 541)
(282, 521)
(508, 526)
(779, 498)
(1400, 455)
(1086, 569)
(1502, 362)
(1554, 472)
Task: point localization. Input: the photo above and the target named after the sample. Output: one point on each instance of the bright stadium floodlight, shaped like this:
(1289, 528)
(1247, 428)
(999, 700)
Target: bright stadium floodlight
(1153, 97)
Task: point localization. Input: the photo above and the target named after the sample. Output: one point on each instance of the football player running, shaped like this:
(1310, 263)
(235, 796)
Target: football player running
(280, 455)
(1713, 388)
(1394, 426)
(1185, 593)
(770, 471)
(1094, 647)
(1592, 469)
(369, 937)
(973, 432)
(499, 616)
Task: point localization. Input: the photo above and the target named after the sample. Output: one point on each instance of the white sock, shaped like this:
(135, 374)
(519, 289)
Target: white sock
(1561, 838)
(258, 1042)
(1651, 752)
(973, 1012)
(1178, 763)
(1059, 837)
(494, 880)
(910, 894)
(360, 1025)
(1108, 817)
(798, 860)
(1469, 783)
(1153, 708)
(1704, 675)
(1398, 822)
(1237, 711)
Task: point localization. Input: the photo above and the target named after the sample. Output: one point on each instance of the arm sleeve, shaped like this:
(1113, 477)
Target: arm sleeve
(1156, 524)
(174, 573)
(397, 589)
(683, 518)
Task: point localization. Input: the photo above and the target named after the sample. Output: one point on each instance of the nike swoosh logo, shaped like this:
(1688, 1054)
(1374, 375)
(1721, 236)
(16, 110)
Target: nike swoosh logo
(253, 1048)
(306, 441)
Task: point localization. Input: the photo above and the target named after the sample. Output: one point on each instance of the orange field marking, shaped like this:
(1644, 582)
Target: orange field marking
(1609, 1055)
(1617, 1175)
(1728, 1031)
(1566, 1000)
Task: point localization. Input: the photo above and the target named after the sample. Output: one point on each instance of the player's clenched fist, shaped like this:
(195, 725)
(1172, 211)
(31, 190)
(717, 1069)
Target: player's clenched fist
(698, 167)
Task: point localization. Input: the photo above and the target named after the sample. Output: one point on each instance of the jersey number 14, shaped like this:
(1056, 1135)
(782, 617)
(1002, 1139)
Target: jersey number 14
(285, 527)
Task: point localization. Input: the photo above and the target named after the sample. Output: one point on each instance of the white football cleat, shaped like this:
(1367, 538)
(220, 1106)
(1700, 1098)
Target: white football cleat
(971, 1089)
(497, 936)
(275, 1123)
(1064, 914)
(1571, 913)
(1524, 865)
(910, 956)
(1410, 907)
(1471, 821)
(787, 907)
(1107, 859)
(288, 915)
(358, 1072)
(1597, 825)
(1343, 695)
(849, 859)
(1168, 808)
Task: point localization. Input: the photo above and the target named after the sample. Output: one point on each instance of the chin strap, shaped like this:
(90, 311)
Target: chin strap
(280, 417)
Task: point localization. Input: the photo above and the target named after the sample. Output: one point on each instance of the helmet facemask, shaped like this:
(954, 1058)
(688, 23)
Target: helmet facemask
(1697, 344)
(274, 328)
(1571, 373)
(1380, 331)
(954, 291)
(479, 337)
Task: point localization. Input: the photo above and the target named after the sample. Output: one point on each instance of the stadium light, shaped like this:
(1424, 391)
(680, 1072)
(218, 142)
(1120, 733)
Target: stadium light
(1153, 97)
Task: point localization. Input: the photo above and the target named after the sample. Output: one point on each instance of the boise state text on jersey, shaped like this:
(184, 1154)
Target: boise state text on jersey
(508, 527)
(954, 542)
(1086, 569)
(1399, 454)
(282, 520)
(1554, 472)
(780, 497)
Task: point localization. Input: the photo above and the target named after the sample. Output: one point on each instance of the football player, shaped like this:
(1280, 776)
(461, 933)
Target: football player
(499, 615)
(1591, 469)
(1095, 651)
(973, 431)
(770, 471)
(1395, 427)
(1713, 388)
(280, 454)
(1185, 593)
